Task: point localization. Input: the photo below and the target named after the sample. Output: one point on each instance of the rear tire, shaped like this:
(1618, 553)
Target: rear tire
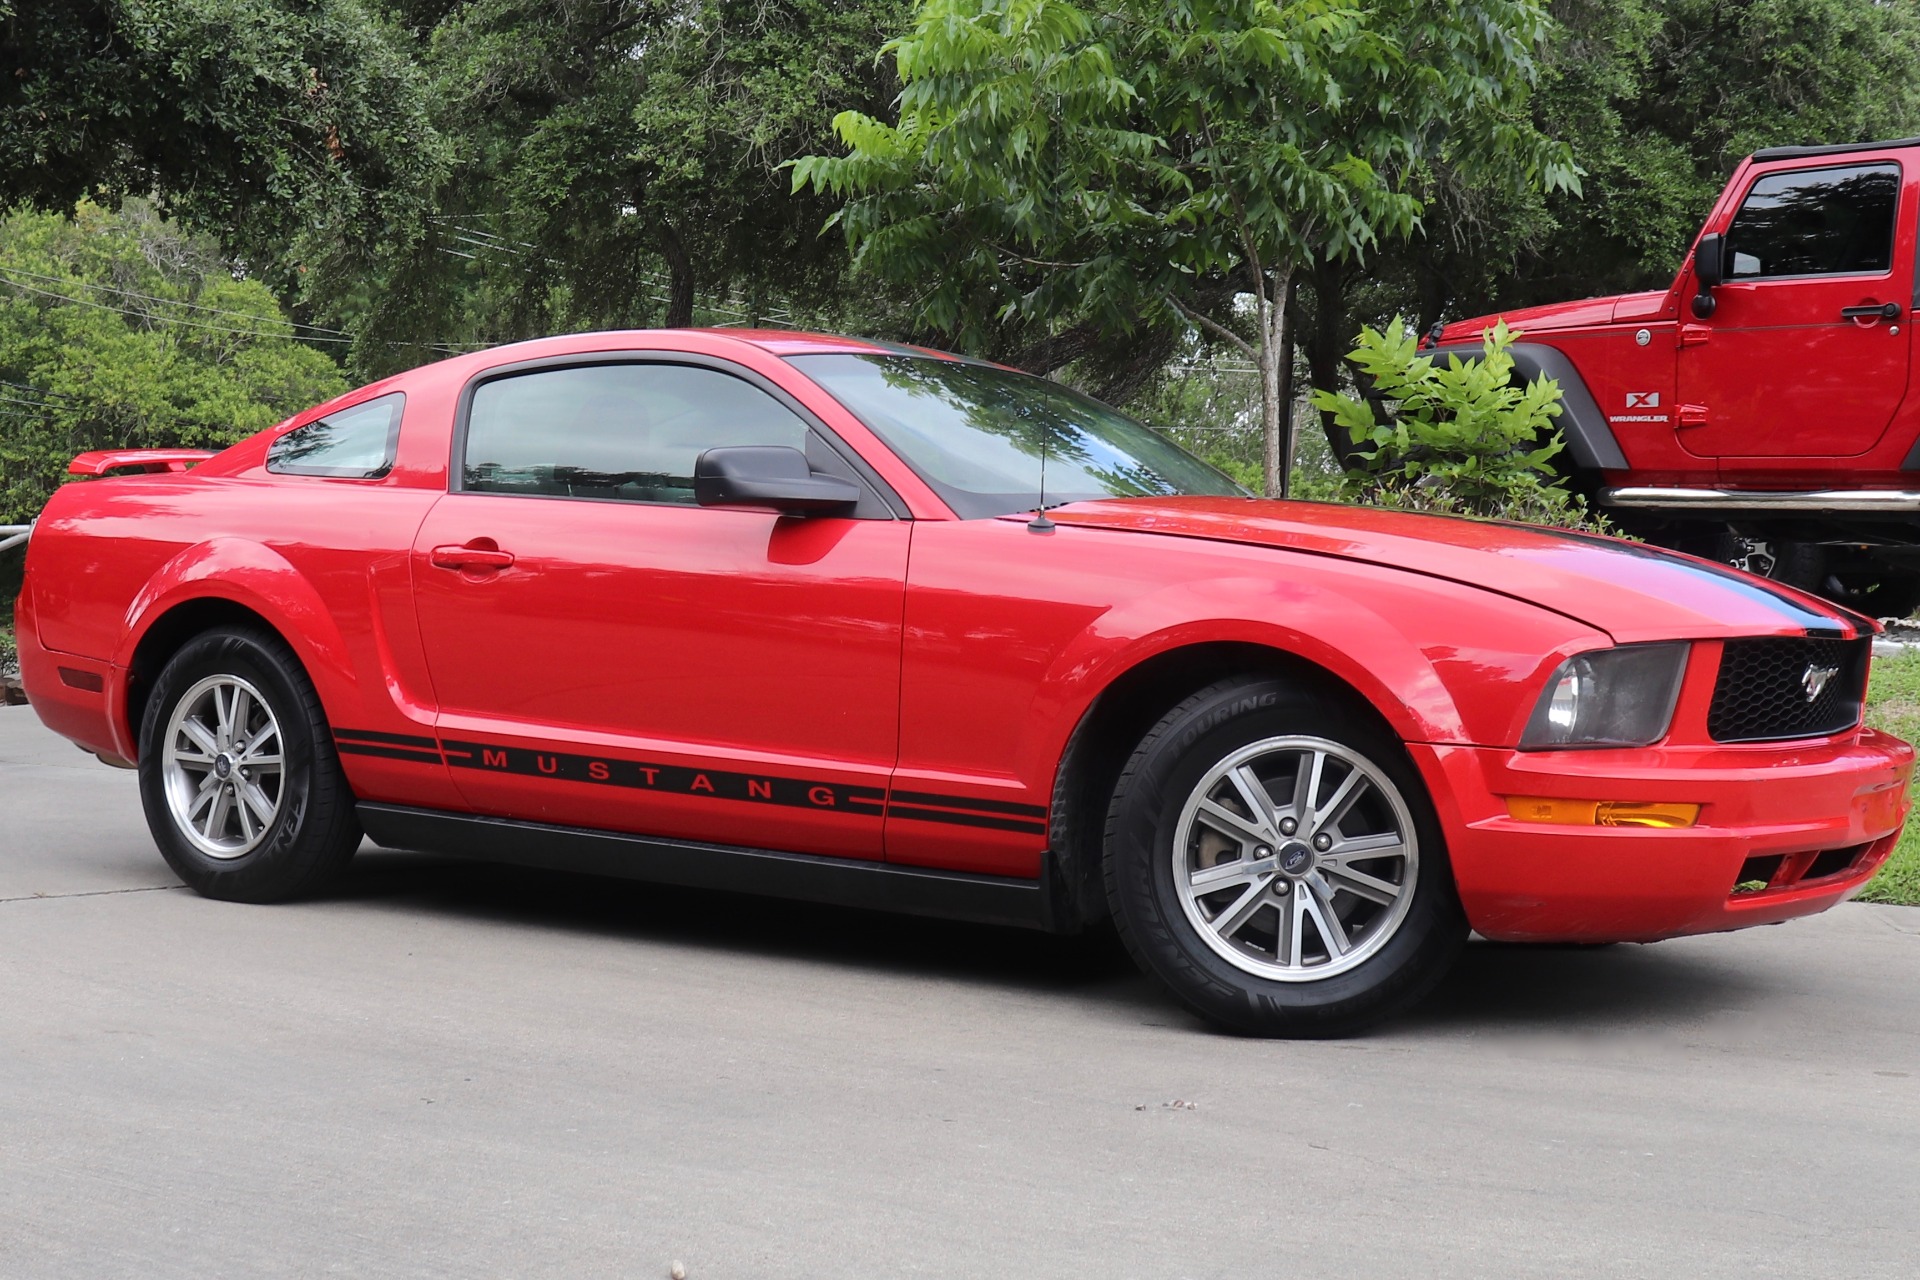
(242, 789)
(1273, 858)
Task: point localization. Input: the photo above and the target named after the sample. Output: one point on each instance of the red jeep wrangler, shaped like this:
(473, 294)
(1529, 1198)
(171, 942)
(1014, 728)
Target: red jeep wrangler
(1757, 410)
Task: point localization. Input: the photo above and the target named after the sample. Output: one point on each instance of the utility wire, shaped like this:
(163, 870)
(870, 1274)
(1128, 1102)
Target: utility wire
(41, 405)
(478, 237)
(170, 302)
(41, 391)
(449, 348)
(462, 223)
(143, 315)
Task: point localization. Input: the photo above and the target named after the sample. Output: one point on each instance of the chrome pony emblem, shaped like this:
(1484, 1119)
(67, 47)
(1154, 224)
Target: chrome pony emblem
(1814, 679)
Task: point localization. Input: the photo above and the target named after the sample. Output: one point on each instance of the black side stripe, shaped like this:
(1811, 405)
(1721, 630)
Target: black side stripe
(964, 802)
(720, 784)
(389, 739)
(425, 755)
(1026, 826)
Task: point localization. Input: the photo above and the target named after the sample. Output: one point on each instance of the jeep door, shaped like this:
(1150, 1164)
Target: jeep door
(1806, 352)
(606, 653)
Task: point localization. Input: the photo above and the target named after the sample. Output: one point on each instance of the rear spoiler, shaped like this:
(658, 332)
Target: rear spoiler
(102, 461)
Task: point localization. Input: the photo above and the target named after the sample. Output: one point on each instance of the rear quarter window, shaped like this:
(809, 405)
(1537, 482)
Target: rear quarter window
(356, 443)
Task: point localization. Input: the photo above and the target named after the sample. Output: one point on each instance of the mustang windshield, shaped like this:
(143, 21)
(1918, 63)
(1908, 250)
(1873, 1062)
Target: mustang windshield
(975, 434)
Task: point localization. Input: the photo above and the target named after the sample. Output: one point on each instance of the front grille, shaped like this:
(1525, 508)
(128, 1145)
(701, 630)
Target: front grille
(1762, 696)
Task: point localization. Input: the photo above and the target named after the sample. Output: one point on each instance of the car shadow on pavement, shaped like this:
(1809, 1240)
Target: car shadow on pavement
(741, 922)
(1581, 989)
(1495, 987)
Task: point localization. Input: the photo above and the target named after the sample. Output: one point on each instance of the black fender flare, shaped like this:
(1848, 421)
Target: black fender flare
(1590, 440)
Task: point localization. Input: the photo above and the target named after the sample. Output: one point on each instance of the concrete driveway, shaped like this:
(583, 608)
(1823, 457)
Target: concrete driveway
(453, 1069)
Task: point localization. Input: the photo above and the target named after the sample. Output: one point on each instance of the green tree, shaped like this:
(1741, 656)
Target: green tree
(294, 130)
(617, 160)
(120, 331)
(1056, 162)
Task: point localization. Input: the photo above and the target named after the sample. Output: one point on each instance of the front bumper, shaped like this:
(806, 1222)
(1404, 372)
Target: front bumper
(1843, 797)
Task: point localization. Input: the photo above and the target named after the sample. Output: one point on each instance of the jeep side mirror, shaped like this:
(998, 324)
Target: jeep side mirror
(1709, 269)
(768, 476)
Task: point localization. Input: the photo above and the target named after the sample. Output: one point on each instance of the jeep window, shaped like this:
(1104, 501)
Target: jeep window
(1816, 222)
(976, 434)
(353, 444)
(628, 432)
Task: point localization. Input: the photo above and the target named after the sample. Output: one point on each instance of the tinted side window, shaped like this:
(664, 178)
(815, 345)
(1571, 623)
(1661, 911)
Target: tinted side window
(356, 443)
(622, 431)
(1812, 222)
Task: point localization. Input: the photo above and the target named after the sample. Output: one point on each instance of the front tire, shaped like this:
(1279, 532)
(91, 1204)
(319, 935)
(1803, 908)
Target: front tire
(1273, 858)
(238, 776)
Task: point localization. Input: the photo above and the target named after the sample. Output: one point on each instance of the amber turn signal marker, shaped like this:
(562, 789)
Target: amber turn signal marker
(1603, 813)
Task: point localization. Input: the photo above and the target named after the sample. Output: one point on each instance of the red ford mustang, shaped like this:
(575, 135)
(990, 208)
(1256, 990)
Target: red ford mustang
(775, 612)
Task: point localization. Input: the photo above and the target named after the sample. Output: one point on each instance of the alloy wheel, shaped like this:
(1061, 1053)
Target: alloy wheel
(1295, 858)
(222, 767)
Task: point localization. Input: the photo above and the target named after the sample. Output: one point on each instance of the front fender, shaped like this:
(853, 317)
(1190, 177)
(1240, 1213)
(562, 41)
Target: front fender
(1440, 662)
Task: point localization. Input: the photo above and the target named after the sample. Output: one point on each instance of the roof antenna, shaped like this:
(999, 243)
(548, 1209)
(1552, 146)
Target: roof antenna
(1040, 523)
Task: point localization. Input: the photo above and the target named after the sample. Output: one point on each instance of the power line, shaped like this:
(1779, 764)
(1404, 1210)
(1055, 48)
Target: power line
(170, 302)
(142, 315)
(780, 316)
(39, 391)
(446, 348)
(478, 237)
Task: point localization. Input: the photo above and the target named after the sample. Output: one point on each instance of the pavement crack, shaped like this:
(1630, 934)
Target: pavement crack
(91, 893)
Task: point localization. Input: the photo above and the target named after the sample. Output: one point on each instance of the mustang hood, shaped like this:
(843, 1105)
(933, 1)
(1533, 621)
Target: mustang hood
(1630, 591)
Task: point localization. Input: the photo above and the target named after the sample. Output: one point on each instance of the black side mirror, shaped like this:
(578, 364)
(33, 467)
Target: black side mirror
(1709, 269)
(775, 476)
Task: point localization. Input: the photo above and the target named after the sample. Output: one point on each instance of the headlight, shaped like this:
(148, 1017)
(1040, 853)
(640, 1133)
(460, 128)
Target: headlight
(1609, 698)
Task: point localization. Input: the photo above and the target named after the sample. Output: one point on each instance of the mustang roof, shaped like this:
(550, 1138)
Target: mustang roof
(780, 342)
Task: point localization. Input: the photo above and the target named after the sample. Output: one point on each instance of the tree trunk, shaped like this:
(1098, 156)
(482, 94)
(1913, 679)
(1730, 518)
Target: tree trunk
(1431, 289)
(680, 277)
(1327, 350)
(1275, 420)
(1287, 388)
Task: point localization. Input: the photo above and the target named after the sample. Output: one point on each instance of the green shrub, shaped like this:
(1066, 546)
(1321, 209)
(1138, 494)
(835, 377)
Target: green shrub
(1459, 438)
(119, 331)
